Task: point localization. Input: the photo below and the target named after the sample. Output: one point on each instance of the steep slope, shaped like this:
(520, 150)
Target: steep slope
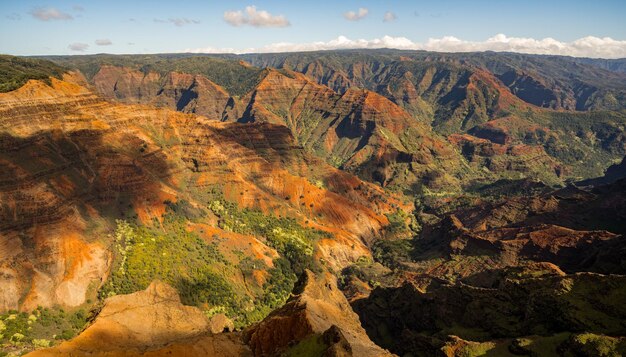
(556, 108)
(92, 192)
(14, 72)
(613, 173)
(359, 131)
(149, 323)
(528, 274)
(183, 92)
(461, 93)
(316, 306)
(548, 81)
(317, 320)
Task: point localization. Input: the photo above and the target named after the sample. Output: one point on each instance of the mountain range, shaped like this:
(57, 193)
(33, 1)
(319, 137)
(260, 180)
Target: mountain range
(358, 202)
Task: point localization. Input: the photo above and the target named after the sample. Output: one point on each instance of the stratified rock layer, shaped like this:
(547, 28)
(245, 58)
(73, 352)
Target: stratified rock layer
(71, 163)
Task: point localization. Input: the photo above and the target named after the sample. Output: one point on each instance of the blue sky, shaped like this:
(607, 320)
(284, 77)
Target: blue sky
(73, 27)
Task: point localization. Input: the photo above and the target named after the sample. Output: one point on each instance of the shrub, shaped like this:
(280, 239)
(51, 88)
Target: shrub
(16, 71)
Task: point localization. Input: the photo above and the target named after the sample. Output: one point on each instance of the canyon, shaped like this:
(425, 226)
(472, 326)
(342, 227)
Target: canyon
(364, 203)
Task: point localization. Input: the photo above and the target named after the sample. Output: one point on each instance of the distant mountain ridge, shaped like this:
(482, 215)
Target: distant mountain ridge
(507, 115)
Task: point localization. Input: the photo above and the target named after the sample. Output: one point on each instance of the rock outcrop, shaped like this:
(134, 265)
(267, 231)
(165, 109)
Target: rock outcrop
(316, 306)
(155, 323)
(221, 323)
(149, 323)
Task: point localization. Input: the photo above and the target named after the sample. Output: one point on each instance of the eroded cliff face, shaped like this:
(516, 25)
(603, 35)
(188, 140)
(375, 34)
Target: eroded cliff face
(152, 322)
(317, 320)
(316, 306)
(92, 192)
(359, 130)
(179, 91)
(558, 83)
(413, 119)
(73, 163)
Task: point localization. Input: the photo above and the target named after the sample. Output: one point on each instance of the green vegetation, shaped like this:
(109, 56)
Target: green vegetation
(289, 238)
(589, 344)
(16, 71)
(236, 78)
(401, 234)
(392, 253)
(173, 255)
(474, 349)
(311, 346)
(170, 252)
(21, 331)
(401, 223)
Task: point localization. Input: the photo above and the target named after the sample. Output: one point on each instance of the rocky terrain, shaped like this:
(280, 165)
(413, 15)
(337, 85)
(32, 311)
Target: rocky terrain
(316, 320)
(347, 203)
(508, 116)
(90, 189)
(544, 271)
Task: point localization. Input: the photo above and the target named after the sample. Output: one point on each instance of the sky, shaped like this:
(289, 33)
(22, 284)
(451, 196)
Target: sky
(566, 27)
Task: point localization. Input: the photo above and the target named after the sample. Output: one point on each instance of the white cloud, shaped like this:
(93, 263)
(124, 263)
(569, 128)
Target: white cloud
(589, 46)
(183, 21)
(356, 16)
(104, 42)
(178, 21)
(389, 17)
(50, 13)
(78, 47)
(253, 17)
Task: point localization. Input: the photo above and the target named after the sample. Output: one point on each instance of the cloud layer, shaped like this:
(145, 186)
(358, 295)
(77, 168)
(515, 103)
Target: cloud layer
(253, 17)
(104, 42)
(178, 21)
(78, 47)
(50, 13)
(389, 17)
(356, 15)
(589, 46)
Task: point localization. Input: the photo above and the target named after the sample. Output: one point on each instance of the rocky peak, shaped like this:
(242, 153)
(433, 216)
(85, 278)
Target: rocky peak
(316, 306)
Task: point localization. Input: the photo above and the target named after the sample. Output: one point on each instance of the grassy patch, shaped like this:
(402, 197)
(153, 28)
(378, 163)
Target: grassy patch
(286, 235)
(168, 251)
(21, 331)
(311, 346)
(173, 255)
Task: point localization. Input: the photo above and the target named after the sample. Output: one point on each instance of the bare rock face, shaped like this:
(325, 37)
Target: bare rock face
(150, 322)
(184, 92)
(363, 131)
(153, 322)
(316, 306)
(220, 323)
